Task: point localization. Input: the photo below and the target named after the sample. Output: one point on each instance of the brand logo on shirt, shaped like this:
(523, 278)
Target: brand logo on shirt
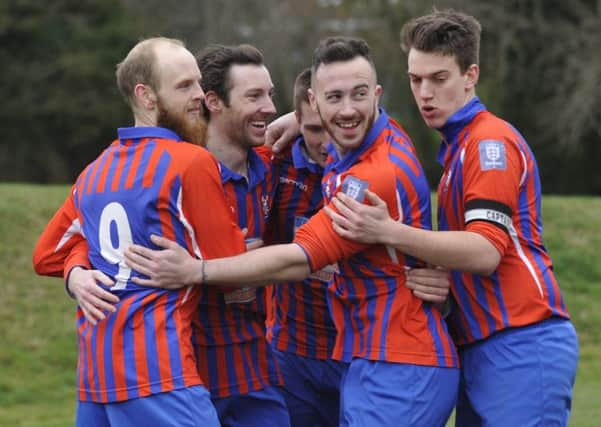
(286, 180)
(327, 189)
(492, 155)
(265, 205)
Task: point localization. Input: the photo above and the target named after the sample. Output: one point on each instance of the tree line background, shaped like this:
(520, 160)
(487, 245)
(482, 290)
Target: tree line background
(540, 69)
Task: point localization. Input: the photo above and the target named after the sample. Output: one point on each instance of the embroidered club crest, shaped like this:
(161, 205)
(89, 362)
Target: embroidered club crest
(355, 188)
(492, 155)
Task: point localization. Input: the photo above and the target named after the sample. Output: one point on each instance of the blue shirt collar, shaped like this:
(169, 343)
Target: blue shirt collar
(256, 171)
(461, 118)
(139, 132)
(352, 156)
(455, 124)
(301, 158)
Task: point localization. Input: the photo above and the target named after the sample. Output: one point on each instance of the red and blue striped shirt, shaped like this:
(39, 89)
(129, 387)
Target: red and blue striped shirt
(147, 182)
(233, 354)
(376, 316)
(299, 318)
(491, 186)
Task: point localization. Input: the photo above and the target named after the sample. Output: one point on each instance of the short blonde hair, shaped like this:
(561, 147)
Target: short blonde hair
(139, 66)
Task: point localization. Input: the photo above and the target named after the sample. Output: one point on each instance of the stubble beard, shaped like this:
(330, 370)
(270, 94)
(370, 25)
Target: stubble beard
(190, 130)
(340, 148)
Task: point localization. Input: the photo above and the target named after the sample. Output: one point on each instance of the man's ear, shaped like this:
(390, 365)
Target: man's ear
(213, 102)
(379, 91)
(145, 96)
(312, 100)
(472, 75)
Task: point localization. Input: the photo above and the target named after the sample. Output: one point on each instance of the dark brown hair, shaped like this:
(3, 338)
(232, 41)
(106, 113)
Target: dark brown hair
(301, 86)
(215, 62)
(340, 49)
(446, 32)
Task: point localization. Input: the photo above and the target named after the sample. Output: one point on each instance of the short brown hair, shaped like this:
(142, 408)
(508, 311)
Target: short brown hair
(139, 66)
(301, 86)
(446, 32)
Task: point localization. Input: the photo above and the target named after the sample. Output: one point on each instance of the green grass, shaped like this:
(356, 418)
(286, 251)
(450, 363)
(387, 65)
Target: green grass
(572, 236)
(38, 343)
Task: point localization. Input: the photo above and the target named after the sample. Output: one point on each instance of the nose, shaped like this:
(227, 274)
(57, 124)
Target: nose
(324, 138)
(347, 107)
(268, 106)
(199, 94)
(425, 89)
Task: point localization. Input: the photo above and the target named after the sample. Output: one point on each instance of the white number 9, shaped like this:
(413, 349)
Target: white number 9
(114, 212)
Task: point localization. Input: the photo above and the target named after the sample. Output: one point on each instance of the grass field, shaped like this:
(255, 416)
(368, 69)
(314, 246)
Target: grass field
(38, 341)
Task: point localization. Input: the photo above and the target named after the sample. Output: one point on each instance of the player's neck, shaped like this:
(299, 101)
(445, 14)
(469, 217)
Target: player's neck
(231, 154)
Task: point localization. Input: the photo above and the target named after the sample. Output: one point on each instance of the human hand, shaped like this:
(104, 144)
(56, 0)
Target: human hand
(282, 132)
(169, 268)
(429, 284)
(251, 242)
(92, 298)
(360, 222)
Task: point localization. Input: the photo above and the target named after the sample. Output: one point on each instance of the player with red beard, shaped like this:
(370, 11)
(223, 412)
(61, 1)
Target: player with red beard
(137, 365)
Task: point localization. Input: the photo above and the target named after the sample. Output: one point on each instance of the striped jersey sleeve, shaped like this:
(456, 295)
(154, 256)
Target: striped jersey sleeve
(491, 186)
(148, 182)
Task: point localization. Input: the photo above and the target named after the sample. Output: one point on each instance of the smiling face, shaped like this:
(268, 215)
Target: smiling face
(346, 95)
(315, 136)
(179, 96)
(179, 90)
(250, 104)
(439, 87)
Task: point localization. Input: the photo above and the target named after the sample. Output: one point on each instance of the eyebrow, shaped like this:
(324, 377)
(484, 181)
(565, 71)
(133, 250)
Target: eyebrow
(410, 74)
(258, 89)
(359, 86)
(314, 127)
(184, 82)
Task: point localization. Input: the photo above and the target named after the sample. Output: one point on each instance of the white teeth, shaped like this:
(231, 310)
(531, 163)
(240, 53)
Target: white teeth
(258, 124)
(348, 125)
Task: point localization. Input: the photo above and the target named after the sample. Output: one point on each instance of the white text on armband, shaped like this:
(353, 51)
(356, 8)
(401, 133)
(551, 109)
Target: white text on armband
(489, 215)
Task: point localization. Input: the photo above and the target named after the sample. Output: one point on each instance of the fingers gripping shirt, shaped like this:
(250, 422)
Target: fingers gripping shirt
(491, 186)
(376, 315)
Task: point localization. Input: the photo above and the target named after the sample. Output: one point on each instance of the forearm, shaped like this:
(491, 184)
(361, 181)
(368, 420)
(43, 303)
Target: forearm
(454, 250)
(278, 263)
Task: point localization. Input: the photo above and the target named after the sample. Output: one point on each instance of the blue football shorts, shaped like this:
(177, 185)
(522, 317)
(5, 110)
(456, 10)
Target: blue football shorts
(262, 408)
(519, 377)
(386, 394)
(311, 389)
(186, 407)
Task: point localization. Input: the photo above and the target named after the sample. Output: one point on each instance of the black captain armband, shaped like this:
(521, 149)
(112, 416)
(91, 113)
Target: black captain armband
(496, 213)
